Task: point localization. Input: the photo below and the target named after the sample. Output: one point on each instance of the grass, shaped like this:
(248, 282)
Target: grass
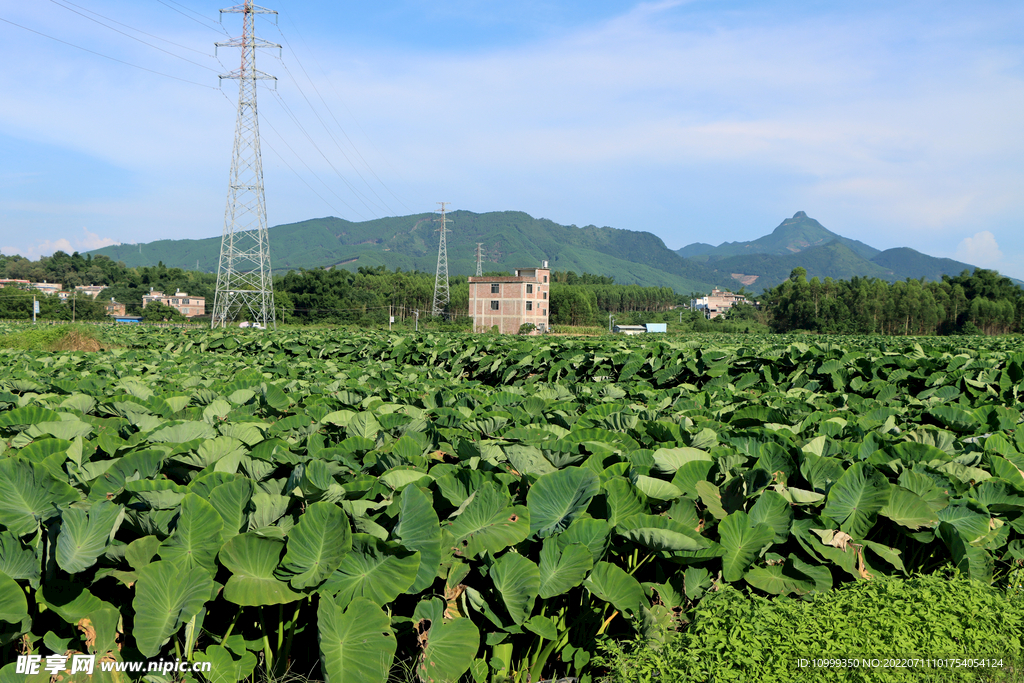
(738, 636)
(55, 338)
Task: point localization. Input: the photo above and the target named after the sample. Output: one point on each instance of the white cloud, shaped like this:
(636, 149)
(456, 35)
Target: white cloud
(93, 241)
(46, 247)
(980, 250)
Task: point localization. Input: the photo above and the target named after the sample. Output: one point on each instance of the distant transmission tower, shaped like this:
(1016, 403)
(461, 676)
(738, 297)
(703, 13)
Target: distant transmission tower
(244, 283)
(479, 259)
(441, 294)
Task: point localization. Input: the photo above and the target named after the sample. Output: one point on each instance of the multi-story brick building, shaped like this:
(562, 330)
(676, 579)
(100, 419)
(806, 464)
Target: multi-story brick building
(510, 302)
(188, 306)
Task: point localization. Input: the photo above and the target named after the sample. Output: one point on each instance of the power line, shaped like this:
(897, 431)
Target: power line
(330, 135)
(218, 26)
(168, 52)
(169, 42)
(296, 121)
(335, 118)
(307, 168)
(113, 59)
(354, 119)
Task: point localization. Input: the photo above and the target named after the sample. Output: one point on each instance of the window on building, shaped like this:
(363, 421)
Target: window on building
(529, 289)
(545, 278)
(495, 289)
(494, 304)
(544, 312)
(545, 295)
(529, 305)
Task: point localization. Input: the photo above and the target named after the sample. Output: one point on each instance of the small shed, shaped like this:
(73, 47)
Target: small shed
(629, 329)
(657, 327)
(128, 319)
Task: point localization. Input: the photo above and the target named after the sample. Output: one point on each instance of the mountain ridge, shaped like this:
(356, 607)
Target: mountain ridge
(513, 239)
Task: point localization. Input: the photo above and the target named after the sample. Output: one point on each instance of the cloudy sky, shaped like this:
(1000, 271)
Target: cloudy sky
(896, 123)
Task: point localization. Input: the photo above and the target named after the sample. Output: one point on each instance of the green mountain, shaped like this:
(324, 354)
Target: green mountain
(792, 236)
(802, 241)
(511, 239)
(916, 265)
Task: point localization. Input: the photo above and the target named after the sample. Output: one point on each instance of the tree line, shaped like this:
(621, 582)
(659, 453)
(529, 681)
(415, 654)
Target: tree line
(970, 303)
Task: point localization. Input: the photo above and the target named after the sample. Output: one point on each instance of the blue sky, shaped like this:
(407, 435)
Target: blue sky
(895, 123)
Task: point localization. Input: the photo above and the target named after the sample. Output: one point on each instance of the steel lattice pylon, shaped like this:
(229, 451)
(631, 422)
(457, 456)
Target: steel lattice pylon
(442, 295)
(479, 259)
(244, 282)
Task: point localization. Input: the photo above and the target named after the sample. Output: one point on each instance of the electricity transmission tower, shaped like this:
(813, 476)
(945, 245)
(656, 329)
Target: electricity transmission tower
(441, 294)
(479, 259)
(244, 283)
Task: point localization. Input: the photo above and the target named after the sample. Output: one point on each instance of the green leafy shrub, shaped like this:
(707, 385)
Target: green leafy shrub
(54, 338)
(741, 637)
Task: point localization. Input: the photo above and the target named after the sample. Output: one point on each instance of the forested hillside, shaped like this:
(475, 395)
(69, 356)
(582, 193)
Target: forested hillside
(510, 239)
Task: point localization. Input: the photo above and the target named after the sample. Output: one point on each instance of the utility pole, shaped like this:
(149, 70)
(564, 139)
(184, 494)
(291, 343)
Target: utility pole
(442, 296)
(245, 285)
(610, 319)
(479, 259)
(417, 314)
(35, 308)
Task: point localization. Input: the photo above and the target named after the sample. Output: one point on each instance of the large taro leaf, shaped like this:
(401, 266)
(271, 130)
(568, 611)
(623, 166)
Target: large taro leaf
(212, 451)
(252, 560)
(973, 561)
(611, 584)
(316, 546)
(13, 605)
(196, 537)
(448, 645)
(132, 467)
(29, 495)
(908, 509)
(17, 560)
(183, 432)
(517, 580)
(623, 500)
(231, 500)
(925, 488)
(793, 576)
(84, 536)
(563, 569)
(224, 668)
(157, 494)
(775, 511)
(167, 596)
(779, 579)
(742, 542)
(357, 644)
(669, 460)
(27, 415)
(998, 496)
(661, 533)
(556, 499)
(489, 523)
(657, 489)
(590, 533)
(857, 498)
(419, 530)
(374, 570)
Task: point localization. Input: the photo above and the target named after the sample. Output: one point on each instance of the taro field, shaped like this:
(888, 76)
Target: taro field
(362, 507)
